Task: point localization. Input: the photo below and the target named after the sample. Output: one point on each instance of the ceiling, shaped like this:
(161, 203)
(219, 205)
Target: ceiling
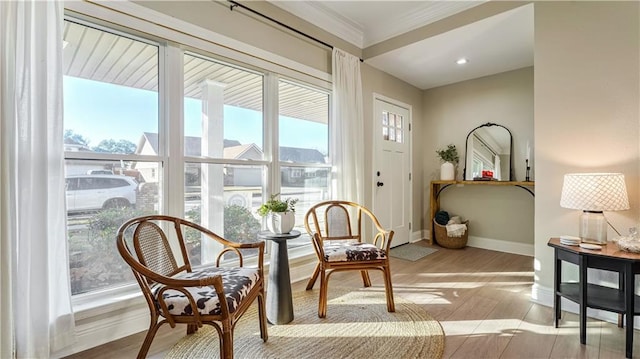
(495, 44)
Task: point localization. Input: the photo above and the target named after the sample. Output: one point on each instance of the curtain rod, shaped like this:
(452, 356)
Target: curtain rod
(235, 3)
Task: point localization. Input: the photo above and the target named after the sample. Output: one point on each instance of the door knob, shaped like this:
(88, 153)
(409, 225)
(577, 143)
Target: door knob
(380, 184)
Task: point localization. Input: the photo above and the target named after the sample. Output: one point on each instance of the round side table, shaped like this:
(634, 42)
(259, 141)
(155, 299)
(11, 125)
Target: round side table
(279, 297)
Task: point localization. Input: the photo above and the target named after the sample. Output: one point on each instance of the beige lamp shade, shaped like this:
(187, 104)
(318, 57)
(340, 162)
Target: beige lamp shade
(594, 192)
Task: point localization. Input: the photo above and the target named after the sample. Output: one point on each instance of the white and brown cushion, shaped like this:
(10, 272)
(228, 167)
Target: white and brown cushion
(345, 251)
(237, 283)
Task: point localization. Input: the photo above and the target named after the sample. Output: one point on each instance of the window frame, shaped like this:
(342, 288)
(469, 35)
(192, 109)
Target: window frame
(171, 120)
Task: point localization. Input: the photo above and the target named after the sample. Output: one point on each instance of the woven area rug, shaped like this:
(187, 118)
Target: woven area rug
(411, 252)
(357, 326)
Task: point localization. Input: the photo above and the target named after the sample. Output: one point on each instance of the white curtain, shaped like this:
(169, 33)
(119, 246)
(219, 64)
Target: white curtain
(347, 123)
(35, 286)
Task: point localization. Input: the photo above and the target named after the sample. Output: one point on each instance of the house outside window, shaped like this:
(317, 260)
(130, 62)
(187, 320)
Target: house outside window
(117, 132)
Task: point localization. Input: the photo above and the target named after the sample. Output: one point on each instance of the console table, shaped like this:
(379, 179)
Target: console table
(438, 186)
(621, 300)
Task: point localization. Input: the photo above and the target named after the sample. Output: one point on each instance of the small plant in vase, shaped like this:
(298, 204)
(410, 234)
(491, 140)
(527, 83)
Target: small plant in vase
(449, 157)
(280, 214)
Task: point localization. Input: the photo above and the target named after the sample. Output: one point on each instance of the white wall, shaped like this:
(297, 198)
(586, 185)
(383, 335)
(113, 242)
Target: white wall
(587, 68)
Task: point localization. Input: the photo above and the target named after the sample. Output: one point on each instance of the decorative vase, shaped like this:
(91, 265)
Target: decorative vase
(447, 171)
(281, 222)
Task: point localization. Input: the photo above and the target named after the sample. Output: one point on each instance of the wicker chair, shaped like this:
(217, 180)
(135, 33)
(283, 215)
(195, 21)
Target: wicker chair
(172, 288)
(339, 248)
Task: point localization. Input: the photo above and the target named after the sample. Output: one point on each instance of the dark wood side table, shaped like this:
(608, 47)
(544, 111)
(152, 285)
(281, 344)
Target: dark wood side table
(279, 298)
(621, 300)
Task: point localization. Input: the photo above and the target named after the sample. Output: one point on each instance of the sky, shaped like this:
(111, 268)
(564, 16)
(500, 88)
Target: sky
(101, 111)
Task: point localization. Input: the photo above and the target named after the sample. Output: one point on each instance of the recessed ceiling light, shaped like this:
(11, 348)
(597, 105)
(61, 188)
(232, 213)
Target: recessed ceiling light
(462, 61)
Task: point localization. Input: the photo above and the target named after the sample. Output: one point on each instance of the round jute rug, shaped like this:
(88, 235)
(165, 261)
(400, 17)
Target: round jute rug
(357, 326)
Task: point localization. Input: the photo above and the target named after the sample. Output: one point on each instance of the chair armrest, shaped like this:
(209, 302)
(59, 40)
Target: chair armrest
(235, 248)
(383, 239)
(317, 245)
(213, 280)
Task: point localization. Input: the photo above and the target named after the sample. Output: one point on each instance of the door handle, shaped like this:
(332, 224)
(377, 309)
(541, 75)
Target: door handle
(380, 184)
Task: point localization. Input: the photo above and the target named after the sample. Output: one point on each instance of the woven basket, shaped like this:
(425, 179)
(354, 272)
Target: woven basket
(450, 242)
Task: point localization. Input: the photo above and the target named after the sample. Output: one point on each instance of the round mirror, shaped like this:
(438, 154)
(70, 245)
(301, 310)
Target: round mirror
(487, 155)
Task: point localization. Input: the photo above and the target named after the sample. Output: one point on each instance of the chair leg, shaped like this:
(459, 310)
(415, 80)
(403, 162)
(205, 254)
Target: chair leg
(314, 277)
(365, 278)
(192, 328)
(226, 350)
(153, 328)
(322, 305)
(262, 317)
(391, 306)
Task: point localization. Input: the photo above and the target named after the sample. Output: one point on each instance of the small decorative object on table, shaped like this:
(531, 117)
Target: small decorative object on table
(631, 243)
(280, 214)
(449, 158)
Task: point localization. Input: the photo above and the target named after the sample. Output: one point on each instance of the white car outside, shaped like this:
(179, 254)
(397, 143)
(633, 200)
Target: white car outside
(95, 192)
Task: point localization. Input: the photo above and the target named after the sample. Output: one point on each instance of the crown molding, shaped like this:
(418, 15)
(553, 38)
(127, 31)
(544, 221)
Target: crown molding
(325, 19)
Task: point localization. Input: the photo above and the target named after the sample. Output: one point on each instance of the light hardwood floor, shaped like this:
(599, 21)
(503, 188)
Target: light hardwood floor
(482, 300)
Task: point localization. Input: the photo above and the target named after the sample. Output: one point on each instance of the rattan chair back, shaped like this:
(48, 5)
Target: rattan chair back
(336, 229)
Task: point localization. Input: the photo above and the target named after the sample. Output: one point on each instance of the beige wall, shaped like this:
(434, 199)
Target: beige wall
(450, 112)
(243, 26)
(587, 93)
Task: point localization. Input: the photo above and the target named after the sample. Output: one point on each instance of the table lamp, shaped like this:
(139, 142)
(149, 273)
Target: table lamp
(594, 193)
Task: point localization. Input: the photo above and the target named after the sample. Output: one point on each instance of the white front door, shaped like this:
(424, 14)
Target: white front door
(392, 169)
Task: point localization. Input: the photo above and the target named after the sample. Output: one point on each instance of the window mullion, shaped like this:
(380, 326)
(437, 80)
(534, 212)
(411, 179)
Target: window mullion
(172, 130)
(271, 130)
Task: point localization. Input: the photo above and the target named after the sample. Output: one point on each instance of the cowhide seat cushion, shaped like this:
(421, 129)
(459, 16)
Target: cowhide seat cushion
(237, 283)
(344, 251)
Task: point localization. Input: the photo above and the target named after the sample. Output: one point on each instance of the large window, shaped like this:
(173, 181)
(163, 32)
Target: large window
(121, 140)
(110, 107)
(303, 135)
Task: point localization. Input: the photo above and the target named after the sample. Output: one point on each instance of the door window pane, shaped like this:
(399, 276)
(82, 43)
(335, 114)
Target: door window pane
(392, 127)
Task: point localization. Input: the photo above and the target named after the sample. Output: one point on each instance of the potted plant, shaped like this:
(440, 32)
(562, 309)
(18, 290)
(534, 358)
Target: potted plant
(449, 157)
(280, 214)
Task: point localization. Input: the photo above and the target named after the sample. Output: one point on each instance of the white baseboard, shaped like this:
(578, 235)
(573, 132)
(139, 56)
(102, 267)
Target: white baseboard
(501, 246)
(486, 243)
(417, 236)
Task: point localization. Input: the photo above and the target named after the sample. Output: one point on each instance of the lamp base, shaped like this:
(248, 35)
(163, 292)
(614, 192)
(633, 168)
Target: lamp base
(593, 227)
